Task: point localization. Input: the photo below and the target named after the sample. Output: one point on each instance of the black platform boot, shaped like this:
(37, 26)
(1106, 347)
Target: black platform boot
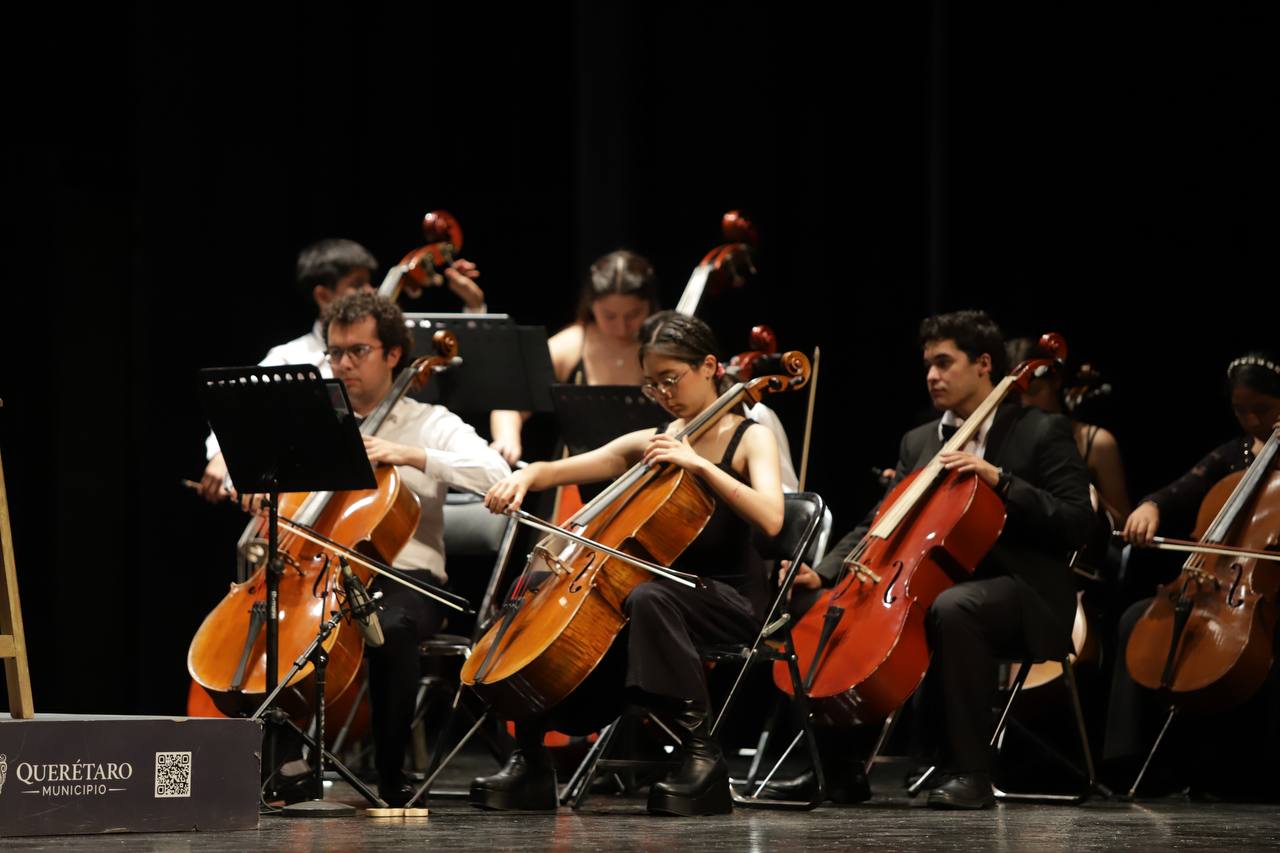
(526, 783)
(701, 784)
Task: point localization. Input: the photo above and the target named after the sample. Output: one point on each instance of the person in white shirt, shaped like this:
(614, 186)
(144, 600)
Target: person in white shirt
(366, 344)
(326, 271)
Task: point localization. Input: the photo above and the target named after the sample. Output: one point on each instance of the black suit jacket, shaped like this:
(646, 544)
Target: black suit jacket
(1049, 515)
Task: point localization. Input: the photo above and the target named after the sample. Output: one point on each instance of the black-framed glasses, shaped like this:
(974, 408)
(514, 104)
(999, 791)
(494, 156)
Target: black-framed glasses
(663, 388)
(356, 351)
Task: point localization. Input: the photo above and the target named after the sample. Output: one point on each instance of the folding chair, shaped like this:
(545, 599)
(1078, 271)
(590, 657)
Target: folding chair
(804, 518)
(1087, 773)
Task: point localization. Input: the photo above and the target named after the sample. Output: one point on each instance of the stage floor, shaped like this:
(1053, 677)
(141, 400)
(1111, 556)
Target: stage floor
(889, 822)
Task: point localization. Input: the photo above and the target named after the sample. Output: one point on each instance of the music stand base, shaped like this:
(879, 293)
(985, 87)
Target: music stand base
(318, 808)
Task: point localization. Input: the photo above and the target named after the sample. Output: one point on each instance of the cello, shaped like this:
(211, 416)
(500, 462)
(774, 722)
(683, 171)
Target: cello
(419, 268)
(549, 640)
(227, 656)
(727, 265)
(1205, 642)
(862, 646)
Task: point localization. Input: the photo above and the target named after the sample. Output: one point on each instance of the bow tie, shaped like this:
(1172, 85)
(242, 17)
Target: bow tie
(949, 430)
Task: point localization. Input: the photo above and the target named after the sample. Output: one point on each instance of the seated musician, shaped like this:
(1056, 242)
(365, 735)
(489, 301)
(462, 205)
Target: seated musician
(1097, 445)
(1021, 599)
(366, 344)
(738, 461)
(327, 271)
(599, 347)
(1133, 712)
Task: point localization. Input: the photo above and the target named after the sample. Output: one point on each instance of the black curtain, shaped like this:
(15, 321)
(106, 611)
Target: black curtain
(1102, 172)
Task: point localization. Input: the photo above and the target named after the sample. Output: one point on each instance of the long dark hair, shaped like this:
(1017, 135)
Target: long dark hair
(620, 272)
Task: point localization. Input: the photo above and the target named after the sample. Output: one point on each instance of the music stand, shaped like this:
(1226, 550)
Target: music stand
(284, 429)
(504, 366)
(593, 415)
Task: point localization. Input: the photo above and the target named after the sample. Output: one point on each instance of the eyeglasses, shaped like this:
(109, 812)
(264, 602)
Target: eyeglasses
(663, 388)
(356, 351)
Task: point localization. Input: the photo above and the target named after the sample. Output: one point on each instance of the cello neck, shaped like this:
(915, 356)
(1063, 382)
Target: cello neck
(923, 483)
(314, 505)
(1235, 503)
(798, 372)
(692, 431)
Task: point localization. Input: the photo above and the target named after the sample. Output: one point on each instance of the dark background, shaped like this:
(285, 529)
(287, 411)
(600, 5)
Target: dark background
(1104, 172)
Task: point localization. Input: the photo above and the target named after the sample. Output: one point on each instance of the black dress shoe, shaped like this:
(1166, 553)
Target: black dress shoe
(526, 783)
(700, 786)
(964, 791)
(846, 787)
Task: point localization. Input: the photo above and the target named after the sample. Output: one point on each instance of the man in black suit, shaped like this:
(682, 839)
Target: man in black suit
(1021, 598)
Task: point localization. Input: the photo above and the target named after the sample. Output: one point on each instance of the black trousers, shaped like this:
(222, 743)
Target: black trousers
(1132, 710)
(656, 658)
(668, 622)
(407, 618)
(972, 626)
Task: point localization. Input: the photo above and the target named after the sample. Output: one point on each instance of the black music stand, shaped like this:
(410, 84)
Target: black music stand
(593, 415)
(504, 366)
(284, 429)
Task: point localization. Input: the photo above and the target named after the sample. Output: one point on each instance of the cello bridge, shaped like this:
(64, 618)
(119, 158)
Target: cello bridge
(862, 573)
(553, 562)
(1199, 575)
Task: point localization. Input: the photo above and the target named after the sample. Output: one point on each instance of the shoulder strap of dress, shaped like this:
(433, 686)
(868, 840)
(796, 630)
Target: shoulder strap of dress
(732, 447)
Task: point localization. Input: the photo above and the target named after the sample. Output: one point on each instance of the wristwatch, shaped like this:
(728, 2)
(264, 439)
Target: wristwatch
(1002, 484)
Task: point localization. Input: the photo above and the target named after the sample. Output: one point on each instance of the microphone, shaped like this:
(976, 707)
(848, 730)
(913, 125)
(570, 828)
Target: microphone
(364, 606)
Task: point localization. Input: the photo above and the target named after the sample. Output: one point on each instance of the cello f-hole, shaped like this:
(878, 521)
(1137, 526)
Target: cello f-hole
(576, 583)
(889, 597)
(1232, 600)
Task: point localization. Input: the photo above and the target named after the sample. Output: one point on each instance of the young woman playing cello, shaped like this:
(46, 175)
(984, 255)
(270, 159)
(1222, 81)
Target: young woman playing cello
(1253, 386)
(738, 462)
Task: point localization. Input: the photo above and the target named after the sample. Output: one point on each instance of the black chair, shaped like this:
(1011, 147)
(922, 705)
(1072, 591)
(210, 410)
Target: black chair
(805, 514)
(469, 530)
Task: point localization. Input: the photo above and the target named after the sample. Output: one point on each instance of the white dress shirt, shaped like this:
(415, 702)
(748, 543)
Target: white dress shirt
(456, 456)
(308, 349)
(976, 445)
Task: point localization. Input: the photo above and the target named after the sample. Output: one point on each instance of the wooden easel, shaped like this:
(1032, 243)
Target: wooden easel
(13, 643)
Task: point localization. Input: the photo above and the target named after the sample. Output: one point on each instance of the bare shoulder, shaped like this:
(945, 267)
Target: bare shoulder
(565, 346)
(1104, 439)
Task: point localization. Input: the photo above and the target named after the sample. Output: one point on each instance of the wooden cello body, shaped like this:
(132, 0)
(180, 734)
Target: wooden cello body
(1206, 640)
(227, 658)
(862, 648)
(551, 638)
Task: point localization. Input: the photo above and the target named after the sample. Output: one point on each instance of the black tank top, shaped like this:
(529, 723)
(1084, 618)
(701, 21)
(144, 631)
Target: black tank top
(723, 549)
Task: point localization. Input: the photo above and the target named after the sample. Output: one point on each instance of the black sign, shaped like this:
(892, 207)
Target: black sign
(62, 775)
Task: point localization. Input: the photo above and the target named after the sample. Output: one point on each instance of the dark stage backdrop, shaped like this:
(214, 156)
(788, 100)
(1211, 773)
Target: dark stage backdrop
(1105, 173)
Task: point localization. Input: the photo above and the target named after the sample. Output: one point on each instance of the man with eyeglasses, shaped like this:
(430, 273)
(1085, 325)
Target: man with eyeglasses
(327, 271)
(366, 345)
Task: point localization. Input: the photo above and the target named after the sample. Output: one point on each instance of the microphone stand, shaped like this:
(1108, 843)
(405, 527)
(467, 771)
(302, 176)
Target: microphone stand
(318, 806)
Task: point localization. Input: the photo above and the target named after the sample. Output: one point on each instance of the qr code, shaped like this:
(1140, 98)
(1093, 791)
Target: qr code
(173, 774)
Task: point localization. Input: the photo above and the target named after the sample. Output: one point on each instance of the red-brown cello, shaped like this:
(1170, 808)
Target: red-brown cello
(418, 269)
(227, 656)
(862, 647)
